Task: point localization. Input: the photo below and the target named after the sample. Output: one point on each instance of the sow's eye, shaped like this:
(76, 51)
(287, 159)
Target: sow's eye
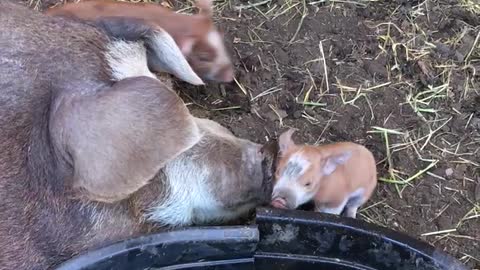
(308, 184)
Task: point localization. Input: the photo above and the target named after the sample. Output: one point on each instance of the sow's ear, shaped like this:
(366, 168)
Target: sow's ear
(164, 54)
(120, 137)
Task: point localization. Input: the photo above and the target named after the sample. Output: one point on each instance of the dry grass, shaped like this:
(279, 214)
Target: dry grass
(410, 44)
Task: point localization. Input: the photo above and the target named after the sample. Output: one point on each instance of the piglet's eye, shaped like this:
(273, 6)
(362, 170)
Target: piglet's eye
(308, 184)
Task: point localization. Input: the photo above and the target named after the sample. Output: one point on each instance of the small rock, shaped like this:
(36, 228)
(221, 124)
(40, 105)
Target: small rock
(459, 172)
(282, 113)
(276, 114)
(459, 57)
(444, 222)
(425, 199)
(443, 24)
(298, 114)
(375, 68)
(405, 24)
(317, 68)
(310, 110)
(475, 123)
(449, 172)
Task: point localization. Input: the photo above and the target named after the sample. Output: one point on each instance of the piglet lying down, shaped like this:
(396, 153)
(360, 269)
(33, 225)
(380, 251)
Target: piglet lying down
(196, 35)
(337, 177)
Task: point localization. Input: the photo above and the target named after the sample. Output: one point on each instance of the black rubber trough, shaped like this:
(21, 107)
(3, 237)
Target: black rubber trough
(280, 240)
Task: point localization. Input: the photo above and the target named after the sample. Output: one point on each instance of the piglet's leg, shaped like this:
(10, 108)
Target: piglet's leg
(355, 200)
(351, 212)
(331, 208)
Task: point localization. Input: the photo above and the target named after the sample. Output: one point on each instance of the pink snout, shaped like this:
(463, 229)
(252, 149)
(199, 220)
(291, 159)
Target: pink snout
(279, 203)
(225, 74)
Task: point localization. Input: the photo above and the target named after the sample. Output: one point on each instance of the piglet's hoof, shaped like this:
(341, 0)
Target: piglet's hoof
(279, 203)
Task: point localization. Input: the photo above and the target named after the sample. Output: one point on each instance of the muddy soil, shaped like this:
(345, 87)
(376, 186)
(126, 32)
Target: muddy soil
(365, 83)
(346, 70)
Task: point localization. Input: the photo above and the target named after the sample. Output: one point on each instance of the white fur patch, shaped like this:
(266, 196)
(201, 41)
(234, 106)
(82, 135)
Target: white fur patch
(127, 59)
(335, 210)
(296, 166)
(357, 193)
(172, 59)
(298, 159)
(216, 41)
(356, 198)
(185, 187)
(190, 199)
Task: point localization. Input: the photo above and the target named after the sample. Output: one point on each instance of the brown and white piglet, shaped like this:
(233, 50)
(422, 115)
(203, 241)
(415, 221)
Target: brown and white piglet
(196, 35)
(337, 177)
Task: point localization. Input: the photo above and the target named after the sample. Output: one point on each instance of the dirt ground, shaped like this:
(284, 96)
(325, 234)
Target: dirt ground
(400, 77)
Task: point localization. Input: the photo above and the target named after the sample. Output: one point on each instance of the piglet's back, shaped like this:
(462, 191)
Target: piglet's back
(359, 170)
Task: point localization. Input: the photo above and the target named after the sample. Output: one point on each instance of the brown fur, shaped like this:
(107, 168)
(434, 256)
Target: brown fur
(82, 153)
(57, 102)
(189, 31)
(232, 158)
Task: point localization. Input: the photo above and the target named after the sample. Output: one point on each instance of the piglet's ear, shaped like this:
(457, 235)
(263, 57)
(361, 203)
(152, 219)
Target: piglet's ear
(332, 162)
(205, 6)
(119, 138)
(285, 141)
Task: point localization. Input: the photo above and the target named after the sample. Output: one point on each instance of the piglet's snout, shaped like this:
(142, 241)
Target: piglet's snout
(224, 74)
(283, 198)
(279, 203)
